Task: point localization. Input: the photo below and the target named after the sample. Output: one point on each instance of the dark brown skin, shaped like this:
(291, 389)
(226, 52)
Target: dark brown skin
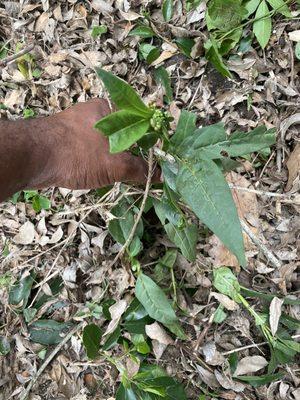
(63, 150)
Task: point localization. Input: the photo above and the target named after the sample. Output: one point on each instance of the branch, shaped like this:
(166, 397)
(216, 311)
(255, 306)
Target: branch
(49, 359)
(14, 57)
(140, 213)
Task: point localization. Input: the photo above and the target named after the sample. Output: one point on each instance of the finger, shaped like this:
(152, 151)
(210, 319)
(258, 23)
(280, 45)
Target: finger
(135, 169)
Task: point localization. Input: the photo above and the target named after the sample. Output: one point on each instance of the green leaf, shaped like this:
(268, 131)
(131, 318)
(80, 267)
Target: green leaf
(213, 55)
(256, 381)
(126, 137)
(185, 238)
(297, 50)
(154, 300)
(20, 292)
(142, 31)
(224, 15)
(204, 188)
(220, 315)
(167, 10)
(251, 6)
(177, 330)
(226, 282)
(140, 343)
(48, 332)
(149, 52)
(123, 95)
(125, 393)
(185, 128)
(97, 31)
(28, 113)
(91, 337)
(29, 314)
(121, 227)
(4, 346)
(162, 77)
(281, 7)
(185, 45)
(268, 297)
(211, 142)
(112, 339)
(40, 202)
(262, 26)
(116, 121)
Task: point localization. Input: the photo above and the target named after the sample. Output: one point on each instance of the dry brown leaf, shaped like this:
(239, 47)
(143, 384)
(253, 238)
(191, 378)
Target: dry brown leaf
(26, 234)
(293, 165)
(250, 364)
(116, 311)
(275, 314)
(294, 36)
(42, 22)
(225, 301)
(227, 383)
(157, 332)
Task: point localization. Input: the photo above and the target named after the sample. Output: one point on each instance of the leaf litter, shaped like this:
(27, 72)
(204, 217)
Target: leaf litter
(71, 258)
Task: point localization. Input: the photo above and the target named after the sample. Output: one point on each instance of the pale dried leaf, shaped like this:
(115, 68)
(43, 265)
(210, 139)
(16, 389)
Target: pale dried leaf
(248, 365)
(275, 314)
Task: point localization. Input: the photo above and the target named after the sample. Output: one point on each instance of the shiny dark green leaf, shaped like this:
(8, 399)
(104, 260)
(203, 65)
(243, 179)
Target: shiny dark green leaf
(142, 31)
(48, 332)
(91, 337)
(167, 9)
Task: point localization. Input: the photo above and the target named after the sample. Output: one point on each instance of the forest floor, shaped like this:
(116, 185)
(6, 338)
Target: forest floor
(68, 247)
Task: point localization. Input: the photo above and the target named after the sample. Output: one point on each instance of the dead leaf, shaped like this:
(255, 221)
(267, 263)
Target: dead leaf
(250, 364)
(225, 301)
(227, 382)
(26, 234)
(294, 36)
(293, 165)
(157, 332)
(116, 311)
(275, 314)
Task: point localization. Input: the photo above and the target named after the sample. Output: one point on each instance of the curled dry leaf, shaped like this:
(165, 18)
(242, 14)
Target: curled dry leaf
(26, 234)
(116, 311)
(293, 165)
(250, 364)
(225, 301)
(157, 332)
(275, 314)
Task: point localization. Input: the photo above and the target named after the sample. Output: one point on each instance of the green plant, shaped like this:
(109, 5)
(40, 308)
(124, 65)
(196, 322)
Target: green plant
(38, 201)
(192, 161)
(226, 22)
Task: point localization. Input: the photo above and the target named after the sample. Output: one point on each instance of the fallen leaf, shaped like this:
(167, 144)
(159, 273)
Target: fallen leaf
(275, 314)
(26, 234)
(157, 332)
(250, 364)
(293, 165)
(116, 311)
(225, 301)
(294, 36)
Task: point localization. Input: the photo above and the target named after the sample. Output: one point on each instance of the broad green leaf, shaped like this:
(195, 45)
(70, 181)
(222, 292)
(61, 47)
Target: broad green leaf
(142, 31)
(154, 300)
(29, 314)
(4, 346)
(123, 95)
(48, 332)
(220, 315)
(256, 381)
(166, 385)
(167, 10)
(185, 127)
(185, 45)
(262, 26)
(230, 41)
(185, 238)
(149, 52)
(124, 393)
(126, 137)
(97, 31)
(161, 76)
(29, 194)
(169, 259)
(121, 227)
(140, 343)
(20, 292)
(251, 6)
(205, 190)
(213, 55)
(40, 202)
(28, 113)
(265, 296)
(290, 322)
(224, 15)
(211, 142)
(281, 7)
(177, 330)
(116, 121)
(226, 282)
(91, 337)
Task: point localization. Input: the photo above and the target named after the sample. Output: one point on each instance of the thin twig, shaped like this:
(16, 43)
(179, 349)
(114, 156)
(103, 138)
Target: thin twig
(49, 359)
(140, 213)
(259, 244)
(250, 346)
(14, 57)
(285, 197)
